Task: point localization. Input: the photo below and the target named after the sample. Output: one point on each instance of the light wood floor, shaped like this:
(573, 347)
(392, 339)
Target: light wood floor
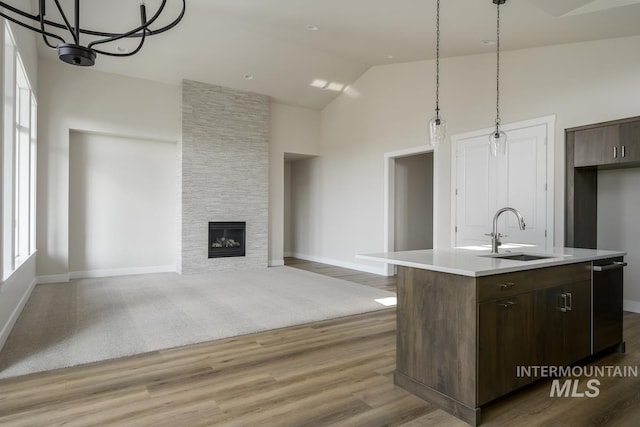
(331, 373)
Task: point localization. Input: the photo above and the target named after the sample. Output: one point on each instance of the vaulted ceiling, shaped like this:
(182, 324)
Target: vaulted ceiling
(223, 41)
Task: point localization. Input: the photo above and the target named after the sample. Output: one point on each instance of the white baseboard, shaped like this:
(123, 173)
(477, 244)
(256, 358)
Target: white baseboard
(630, 305)
(122, 272)
(6, 330)
(52, 278)
(381, 271)
(276, 263)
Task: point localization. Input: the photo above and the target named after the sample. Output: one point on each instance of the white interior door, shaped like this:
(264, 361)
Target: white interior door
(483, 184)
(522, 185)
(474, 192)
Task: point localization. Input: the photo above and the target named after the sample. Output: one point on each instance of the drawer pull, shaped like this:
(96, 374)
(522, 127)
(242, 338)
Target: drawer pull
(506, 304)
(507, 285)
(563, 298)
(569, 301)
(624, 151)
(615, 152)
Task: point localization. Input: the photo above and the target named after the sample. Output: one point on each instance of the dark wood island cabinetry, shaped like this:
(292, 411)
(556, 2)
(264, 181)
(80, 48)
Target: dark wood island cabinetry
(461, 339)
(467, 320)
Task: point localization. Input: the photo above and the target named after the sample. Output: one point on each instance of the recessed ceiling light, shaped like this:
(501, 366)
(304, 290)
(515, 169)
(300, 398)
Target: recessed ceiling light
(248, 76)
(390, 56)
(313, 28)
(488, 42)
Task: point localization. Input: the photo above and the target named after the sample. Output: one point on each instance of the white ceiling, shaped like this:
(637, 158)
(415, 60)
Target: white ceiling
(219, 41)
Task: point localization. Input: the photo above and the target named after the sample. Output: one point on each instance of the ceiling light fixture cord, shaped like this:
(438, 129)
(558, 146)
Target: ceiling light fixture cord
(438, 60)
(437, 126)
(498, 70)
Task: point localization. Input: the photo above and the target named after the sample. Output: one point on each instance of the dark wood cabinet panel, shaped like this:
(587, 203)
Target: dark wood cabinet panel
(505, 342)
(630, 142)
(597, 146)
(562, 324)
(577, 322)
(436, 338)
(548, 332)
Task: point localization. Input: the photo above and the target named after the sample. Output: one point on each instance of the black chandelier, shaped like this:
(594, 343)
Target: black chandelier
(72, 52)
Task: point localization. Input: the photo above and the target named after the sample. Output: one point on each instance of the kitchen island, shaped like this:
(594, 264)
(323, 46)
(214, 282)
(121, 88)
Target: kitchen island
(467, 319)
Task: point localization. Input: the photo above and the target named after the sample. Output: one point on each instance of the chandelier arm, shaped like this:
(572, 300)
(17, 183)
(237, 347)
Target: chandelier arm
(133, 52)
(43, 28)
(37, 30)
(142, 28)
(147, 30)
(66, 21)
(172, 24)
(82, 30)
(77, 26)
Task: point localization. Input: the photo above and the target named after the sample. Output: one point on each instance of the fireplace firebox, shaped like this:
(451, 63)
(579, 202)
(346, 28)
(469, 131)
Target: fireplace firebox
(227, 239)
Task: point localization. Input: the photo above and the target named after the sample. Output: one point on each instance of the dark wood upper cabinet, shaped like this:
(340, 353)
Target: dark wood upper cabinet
(630, 143)
(608, 145)
(597, 146)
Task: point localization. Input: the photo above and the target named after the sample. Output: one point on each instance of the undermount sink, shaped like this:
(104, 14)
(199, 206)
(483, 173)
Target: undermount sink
(520, 256)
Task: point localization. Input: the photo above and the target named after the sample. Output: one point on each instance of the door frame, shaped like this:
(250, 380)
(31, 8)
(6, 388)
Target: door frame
(390, 200)
(550, 123)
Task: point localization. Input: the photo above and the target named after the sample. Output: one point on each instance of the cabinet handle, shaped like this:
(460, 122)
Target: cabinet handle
(506, 304)
(615, 152)
(615, 266)
(624, 151)
(569, 301)
(508, 285)
(563, 308)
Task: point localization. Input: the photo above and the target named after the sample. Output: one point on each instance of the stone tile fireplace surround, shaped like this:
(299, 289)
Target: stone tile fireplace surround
(224, 173)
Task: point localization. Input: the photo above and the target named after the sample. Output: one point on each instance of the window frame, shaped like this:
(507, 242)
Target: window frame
(19, 159)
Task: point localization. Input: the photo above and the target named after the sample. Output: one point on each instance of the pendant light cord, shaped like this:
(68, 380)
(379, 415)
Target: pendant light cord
(438, 60)
(498, 70)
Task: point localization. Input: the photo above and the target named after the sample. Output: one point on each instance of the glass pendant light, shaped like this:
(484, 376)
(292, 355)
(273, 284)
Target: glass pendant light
(437, 125)
(498, 139)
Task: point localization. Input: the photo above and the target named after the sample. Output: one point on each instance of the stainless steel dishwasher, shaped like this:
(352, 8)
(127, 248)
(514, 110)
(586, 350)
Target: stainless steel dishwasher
(606, 304)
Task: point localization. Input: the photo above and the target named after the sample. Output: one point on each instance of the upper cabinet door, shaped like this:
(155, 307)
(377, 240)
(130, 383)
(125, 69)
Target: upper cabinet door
(597, 146)
(629, 142)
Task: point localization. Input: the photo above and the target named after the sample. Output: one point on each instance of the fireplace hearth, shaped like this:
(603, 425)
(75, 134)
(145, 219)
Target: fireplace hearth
(227, 239)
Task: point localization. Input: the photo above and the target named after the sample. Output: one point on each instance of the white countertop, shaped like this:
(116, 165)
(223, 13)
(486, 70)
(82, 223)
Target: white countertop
(476, 263)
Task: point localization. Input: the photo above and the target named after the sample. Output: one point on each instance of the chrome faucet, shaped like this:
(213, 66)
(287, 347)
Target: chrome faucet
(495, 236)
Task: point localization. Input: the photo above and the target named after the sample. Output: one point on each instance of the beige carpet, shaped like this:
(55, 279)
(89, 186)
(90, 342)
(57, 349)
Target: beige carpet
(97, 319)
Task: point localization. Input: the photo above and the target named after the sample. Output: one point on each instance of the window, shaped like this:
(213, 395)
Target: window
(18, 161)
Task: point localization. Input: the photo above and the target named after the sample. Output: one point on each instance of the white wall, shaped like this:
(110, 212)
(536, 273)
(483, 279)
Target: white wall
(74, 98)
(86, 100)
(293, 130)
(389, 106)
(618, 227)
(123, 204)
(413, 202)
